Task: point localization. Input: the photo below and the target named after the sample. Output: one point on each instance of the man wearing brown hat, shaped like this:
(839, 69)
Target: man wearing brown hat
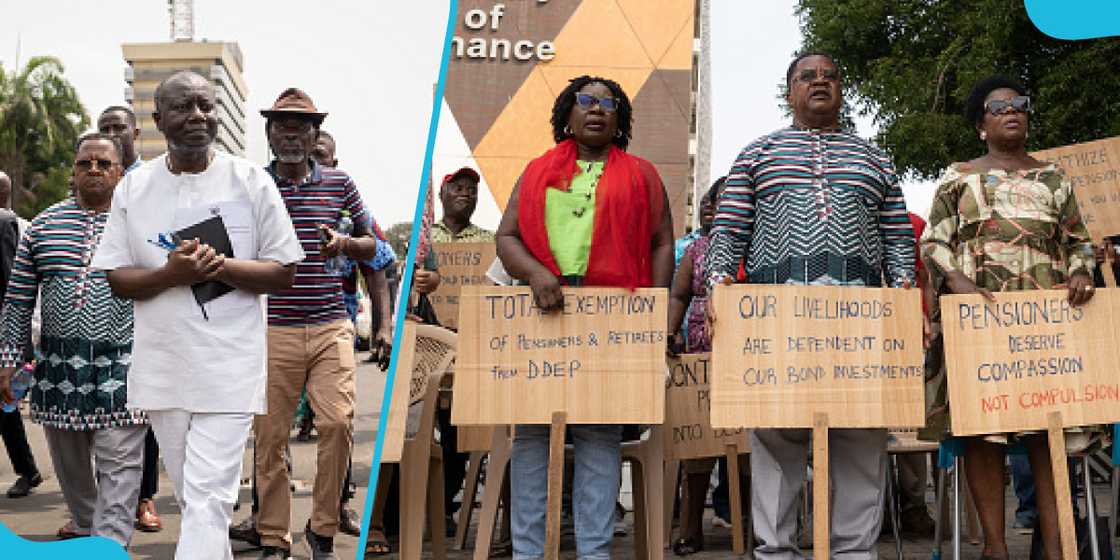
(310, 336)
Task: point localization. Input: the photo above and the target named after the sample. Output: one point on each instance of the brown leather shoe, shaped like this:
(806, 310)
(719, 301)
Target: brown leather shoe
(70, 531)
(146, 518)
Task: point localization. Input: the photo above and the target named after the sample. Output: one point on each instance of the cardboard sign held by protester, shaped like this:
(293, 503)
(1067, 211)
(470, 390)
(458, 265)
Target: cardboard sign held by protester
(782, 354)
(1094, 170)
(688, 428)
(601, 360)
(1013, 362)
(460, 264)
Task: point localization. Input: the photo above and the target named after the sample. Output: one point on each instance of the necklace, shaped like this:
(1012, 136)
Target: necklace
(590, 168)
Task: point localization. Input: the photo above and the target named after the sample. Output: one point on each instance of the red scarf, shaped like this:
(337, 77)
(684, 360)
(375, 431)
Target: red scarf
(628, 206)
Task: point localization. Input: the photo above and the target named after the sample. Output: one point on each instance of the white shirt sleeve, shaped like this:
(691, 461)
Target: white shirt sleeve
(277, 239)
(114, 251)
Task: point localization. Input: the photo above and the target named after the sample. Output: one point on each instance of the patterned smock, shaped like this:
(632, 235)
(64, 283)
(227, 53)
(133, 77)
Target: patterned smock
(86, 343)
(1006, 231)
(696, 333)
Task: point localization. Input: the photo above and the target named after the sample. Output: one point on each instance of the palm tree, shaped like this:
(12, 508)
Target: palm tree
(41, 118)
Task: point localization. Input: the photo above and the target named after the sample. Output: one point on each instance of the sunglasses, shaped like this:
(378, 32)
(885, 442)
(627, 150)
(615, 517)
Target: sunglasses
(586, 100)
(812, 74)
(87, 164)
(1019, 103)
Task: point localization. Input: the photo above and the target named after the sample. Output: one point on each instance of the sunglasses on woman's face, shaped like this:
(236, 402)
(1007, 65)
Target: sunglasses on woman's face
(586, 100)
(1019, 103)
(87, 164)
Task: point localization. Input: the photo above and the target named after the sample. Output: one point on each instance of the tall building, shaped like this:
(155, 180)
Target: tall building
(150, 63)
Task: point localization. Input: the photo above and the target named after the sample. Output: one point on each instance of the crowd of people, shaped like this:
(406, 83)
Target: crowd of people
(154, 340)
(809, 204)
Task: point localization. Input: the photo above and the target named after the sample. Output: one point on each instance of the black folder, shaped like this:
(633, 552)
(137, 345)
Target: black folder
(211, 231)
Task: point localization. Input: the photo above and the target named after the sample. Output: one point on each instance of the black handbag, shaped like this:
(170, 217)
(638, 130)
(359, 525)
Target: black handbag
(1084, 552)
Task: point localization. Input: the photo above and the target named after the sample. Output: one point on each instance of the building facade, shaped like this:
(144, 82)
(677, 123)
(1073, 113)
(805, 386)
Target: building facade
(221, 63)
(509, 60)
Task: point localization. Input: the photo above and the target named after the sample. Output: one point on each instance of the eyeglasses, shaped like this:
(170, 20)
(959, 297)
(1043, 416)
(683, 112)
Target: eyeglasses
(809, 75)
(87, 164)
(1019, 103)
(586, 100)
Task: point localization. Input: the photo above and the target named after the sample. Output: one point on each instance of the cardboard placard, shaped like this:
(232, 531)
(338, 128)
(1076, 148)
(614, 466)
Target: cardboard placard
(688, 429)
(1094, 170)
(469, 439)
(1013, 362)
(784, 353)
(404, 387)
(460, 264)
(601, 360)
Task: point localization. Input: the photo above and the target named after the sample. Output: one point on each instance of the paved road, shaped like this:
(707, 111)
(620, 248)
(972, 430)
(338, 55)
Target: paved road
(39, 515)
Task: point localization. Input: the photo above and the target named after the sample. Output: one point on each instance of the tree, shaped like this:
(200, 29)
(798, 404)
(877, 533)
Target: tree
(398, 236)
(41, 119)
(912, 63)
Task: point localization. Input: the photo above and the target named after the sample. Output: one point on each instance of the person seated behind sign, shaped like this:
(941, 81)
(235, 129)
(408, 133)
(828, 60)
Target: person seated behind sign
(585, 213)
(687, 302)
(458, 197)
(1042, 243)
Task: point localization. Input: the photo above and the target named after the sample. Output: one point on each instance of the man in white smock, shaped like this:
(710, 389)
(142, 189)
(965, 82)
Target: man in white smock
(198, 369)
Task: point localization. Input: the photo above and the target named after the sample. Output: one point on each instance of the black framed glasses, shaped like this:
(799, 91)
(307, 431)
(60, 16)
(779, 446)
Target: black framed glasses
(586, 100)
(88, 164)
(809, 75)
(1019, 103)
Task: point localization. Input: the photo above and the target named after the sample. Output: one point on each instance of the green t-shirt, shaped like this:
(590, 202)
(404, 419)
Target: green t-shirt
(569, 217)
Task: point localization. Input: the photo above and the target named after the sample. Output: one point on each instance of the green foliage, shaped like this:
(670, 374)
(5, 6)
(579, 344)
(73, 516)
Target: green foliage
(910, 64)
(41, 119)
(398, 236)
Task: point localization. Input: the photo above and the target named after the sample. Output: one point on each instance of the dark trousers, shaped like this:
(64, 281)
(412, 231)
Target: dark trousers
(454, 463)
(149, 482)
(15, 441)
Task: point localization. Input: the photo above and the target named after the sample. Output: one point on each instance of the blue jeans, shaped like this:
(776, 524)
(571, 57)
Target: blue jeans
(1023, 481)
(598, 463)
(351, 302)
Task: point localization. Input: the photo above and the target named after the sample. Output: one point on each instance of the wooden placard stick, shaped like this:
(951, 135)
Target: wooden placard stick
(555, 485)
(737, 544)
(1060, 470)
(821, 514)
(1109, 257)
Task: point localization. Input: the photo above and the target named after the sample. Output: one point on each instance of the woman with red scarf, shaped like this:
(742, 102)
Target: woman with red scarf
(585, 213)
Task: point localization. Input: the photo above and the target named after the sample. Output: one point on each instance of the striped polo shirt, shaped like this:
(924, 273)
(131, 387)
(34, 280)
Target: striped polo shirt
(812, 207)
(315, 296)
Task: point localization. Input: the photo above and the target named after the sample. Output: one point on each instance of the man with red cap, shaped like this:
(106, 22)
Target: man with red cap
(310, 336)
(458, 195)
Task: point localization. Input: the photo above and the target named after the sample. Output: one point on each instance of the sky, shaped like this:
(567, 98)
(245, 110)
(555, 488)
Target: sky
(373, 65)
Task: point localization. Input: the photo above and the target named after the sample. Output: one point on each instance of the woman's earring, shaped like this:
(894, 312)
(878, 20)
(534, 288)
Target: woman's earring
(617, 133)
(568, 130)
(983, 135)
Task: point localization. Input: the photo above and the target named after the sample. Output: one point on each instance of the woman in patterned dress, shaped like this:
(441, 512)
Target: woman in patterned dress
(687, 302)
(1005, 222)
